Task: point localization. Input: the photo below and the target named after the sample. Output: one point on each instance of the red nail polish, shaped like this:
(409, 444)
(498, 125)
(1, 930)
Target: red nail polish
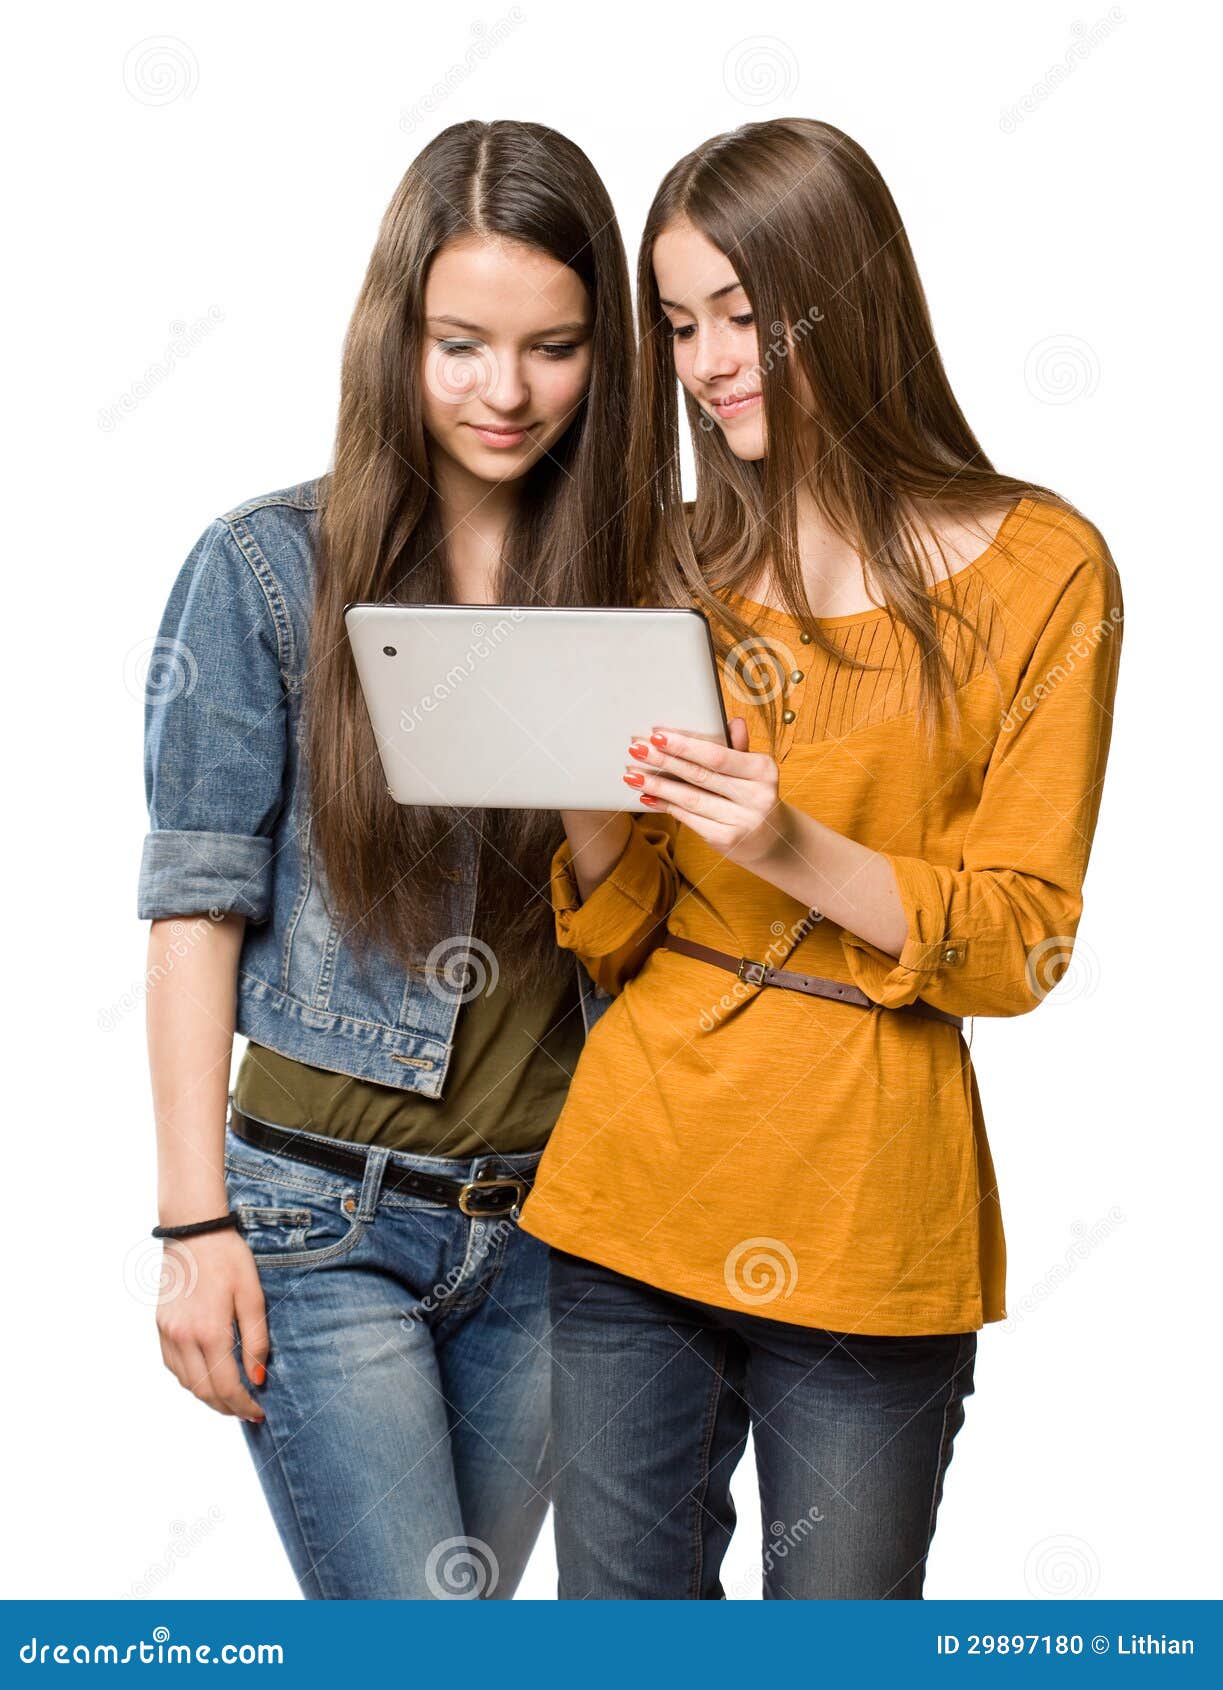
(635, 780)
(646, 799)
(658, 739)
(259, 1373)
(636, 750)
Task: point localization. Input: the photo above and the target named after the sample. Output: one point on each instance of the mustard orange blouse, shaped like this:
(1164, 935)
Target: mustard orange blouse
(813, 1162)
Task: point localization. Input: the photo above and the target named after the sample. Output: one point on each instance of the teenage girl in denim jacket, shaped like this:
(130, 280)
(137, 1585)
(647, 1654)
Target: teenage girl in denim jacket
(371, 1312)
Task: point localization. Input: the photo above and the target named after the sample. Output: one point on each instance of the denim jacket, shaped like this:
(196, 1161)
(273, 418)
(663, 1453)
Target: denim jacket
(222, 760)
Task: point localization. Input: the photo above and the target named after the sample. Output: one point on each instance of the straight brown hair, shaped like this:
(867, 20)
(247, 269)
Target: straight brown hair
(878, 438)
(379, 536)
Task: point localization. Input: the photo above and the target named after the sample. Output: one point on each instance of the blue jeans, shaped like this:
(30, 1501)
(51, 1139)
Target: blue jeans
(652, 1398)
(407, 1380)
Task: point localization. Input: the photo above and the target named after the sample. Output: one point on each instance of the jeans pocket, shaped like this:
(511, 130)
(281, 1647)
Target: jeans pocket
(287, 1225)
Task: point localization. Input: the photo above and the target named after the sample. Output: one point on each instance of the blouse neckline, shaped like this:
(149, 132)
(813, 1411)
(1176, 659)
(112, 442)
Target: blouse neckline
(855, 616)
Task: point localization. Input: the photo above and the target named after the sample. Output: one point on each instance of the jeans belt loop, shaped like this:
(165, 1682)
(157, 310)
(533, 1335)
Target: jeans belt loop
(371, 1185)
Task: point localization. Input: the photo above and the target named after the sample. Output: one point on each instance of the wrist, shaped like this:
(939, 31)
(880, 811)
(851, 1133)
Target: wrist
(782, 858)
(181, 1206)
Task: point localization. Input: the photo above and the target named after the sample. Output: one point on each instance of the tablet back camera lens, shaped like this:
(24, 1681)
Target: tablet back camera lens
(388, 651)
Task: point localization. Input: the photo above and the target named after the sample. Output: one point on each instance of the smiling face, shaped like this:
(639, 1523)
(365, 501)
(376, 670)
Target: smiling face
(505, 357)
(713, 334)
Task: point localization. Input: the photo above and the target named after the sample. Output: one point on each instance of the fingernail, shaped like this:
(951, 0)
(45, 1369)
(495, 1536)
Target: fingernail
(646, 799)
(259, 1373)
(637, 749)
(635, 780)
(658, 739)
(256, 1419)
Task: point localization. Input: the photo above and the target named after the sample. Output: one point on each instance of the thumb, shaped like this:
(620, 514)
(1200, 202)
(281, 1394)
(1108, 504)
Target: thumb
(738, 734)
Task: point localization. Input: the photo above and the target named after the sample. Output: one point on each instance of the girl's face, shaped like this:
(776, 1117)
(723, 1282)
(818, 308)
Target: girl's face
(506, 354)
(713, 335)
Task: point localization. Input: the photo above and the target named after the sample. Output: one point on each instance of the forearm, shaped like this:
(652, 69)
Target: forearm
(847, 882)
(598, 838)
(191, 1004)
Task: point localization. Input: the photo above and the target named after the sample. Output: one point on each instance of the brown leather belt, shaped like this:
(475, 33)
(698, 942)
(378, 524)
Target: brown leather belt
(815, 985)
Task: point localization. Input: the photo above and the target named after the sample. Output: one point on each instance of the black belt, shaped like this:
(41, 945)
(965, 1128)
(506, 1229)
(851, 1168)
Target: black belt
(492, 1194)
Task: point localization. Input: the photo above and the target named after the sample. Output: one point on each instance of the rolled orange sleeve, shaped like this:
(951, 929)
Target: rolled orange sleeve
(623, 919)
(993, 934)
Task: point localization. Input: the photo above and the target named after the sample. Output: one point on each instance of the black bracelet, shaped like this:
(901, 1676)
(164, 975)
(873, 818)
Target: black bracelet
(231, 1219)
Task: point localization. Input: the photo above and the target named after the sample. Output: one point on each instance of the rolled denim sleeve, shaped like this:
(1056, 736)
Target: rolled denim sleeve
(215, 739)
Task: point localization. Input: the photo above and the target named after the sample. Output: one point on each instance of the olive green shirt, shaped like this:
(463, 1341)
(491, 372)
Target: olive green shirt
(510, 1069)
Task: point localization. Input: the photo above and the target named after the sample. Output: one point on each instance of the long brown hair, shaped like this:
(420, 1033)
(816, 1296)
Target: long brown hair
(380, 539)
(878, 437)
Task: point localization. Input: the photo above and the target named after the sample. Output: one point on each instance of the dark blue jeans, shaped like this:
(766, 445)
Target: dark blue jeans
(652, 1399)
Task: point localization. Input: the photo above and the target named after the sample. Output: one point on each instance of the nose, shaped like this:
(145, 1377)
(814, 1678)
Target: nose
(505, 389)
(714, 355)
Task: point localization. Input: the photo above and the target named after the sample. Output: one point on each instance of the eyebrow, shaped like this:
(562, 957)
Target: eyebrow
(476, 328)
(731, 287)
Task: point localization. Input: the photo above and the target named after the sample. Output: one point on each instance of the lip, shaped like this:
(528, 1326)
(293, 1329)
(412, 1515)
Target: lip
(735, 404)
(500, 439)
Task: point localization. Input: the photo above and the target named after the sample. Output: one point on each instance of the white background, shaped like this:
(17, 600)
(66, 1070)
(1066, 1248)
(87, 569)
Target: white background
(1064, 224)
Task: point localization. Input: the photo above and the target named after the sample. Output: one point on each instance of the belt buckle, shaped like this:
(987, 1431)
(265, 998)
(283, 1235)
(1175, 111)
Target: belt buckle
(519, 1186)
(750, 979)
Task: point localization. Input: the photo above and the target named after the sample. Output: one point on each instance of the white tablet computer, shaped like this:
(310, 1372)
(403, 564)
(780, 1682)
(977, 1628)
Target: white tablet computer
(527, 707)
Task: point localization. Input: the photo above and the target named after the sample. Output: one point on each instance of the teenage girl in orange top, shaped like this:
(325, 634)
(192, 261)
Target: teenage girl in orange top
(771, 1199)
